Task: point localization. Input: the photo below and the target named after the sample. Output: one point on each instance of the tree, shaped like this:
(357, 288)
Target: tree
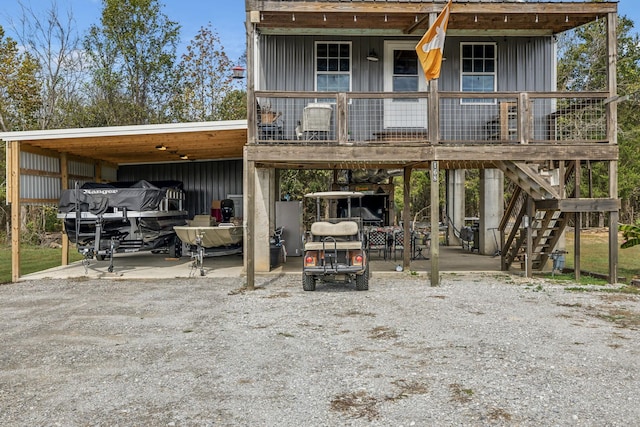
(583, 67)
(631, 234)
(133, 55)
(207, 89)
(19, 100)
(19, 92)
(51, 38)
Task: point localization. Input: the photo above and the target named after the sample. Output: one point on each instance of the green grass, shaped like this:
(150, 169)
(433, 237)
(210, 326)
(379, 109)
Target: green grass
(32, 259)
(594, 255)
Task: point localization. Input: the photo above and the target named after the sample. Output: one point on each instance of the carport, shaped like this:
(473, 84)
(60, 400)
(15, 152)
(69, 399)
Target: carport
(40, 164)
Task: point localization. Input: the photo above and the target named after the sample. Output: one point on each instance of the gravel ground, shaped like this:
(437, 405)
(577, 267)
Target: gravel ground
(479, 350)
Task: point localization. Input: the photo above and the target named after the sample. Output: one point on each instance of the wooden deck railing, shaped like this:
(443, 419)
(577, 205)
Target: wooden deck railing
(402, 118)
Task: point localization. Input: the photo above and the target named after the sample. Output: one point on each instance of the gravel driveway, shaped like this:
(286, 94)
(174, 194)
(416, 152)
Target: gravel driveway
(479, 350)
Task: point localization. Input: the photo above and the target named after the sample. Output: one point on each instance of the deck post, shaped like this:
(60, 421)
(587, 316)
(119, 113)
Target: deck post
(435, 224)
(578, 223)
(434, 139)
(406, 219)
(612, 125)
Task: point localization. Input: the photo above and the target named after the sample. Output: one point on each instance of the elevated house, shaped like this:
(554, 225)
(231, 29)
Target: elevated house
(495, 107)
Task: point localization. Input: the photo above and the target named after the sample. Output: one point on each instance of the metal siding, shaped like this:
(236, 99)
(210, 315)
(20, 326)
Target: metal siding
(523, 64)
(35, 186)
(39, 187)
(202, 181)
(39, 162)
(81, 169)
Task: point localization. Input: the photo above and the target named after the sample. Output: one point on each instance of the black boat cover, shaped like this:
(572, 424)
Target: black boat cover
(98, 198)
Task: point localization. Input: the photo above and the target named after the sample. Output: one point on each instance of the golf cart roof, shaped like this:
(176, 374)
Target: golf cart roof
(334, 194)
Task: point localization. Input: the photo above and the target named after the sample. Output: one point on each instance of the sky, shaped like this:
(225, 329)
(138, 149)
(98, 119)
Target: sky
(226, 16)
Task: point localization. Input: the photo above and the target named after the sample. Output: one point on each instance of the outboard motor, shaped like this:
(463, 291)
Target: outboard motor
(226, 207)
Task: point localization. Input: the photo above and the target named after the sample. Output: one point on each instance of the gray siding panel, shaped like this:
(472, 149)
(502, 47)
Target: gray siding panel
(203, 181)
(287, 63)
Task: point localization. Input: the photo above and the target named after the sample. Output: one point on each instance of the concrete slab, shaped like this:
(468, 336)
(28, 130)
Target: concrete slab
(158, 266)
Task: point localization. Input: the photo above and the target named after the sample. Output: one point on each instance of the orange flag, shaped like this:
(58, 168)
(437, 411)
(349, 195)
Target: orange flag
(431, 46)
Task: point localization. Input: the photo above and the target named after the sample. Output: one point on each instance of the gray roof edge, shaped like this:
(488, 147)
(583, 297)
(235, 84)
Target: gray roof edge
(123, 130)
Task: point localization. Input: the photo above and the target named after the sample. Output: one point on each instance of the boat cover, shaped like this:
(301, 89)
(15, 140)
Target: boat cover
(98, 198)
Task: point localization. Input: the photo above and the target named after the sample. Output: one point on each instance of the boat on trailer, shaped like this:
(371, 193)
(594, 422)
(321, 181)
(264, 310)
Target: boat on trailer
(223, 235)
(105, 219)
(205, 237)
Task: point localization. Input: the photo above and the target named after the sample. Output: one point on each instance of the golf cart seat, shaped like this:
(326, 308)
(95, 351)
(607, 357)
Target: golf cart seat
(326, 235)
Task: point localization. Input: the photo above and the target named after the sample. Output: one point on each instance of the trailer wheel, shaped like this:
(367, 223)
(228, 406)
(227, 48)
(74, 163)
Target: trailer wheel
(175, 248)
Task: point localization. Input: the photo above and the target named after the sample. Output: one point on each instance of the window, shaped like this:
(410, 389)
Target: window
(478, 70)
(405, 73)
(333, 66)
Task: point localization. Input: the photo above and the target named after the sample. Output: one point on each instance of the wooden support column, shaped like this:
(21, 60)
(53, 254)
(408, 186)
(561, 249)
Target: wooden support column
(14, 199)
(342, 118)
(578, 223)
(434, 139)
(612, 126)
(406, 219)
(64, 185)
(435, 224)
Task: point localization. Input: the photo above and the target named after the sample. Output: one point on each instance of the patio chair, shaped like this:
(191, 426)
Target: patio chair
(377, 241)
(270, 125)
(316, 121)
(398, 243)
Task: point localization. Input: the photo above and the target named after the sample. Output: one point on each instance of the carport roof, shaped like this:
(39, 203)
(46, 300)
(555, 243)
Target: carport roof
(140, 144)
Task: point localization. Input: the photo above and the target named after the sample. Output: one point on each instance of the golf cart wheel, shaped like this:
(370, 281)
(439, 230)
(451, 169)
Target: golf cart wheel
(362, 281)
(308, 282)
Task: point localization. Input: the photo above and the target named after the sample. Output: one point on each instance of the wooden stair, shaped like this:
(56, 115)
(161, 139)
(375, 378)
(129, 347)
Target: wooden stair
(546, 225)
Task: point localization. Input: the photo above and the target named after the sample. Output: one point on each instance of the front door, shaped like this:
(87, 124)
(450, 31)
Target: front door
(403, 73)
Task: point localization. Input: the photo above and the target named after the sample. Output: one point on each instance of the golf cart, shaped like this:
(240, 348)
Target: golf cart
(335, 247)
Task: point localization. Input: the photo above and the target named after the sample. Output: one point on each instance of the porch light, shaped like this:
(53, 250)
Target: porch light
(373, 56)
(238, 72)
(184, 157)
(161, 147)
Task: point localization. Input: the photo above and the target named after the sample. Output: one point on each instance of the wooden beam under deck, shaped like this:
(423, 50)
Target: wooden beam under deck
(394, 156)
(579, 205)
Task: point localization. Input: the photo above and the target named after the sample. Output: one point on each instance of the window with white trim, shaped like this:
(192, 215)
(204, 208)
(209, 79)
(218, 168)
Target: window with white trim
(478, 66)
(333, 66)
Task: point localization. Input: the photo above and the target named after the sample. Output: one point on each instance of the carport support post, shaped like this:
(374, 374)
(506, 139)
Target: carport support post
(64, 185)
(14, 178)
